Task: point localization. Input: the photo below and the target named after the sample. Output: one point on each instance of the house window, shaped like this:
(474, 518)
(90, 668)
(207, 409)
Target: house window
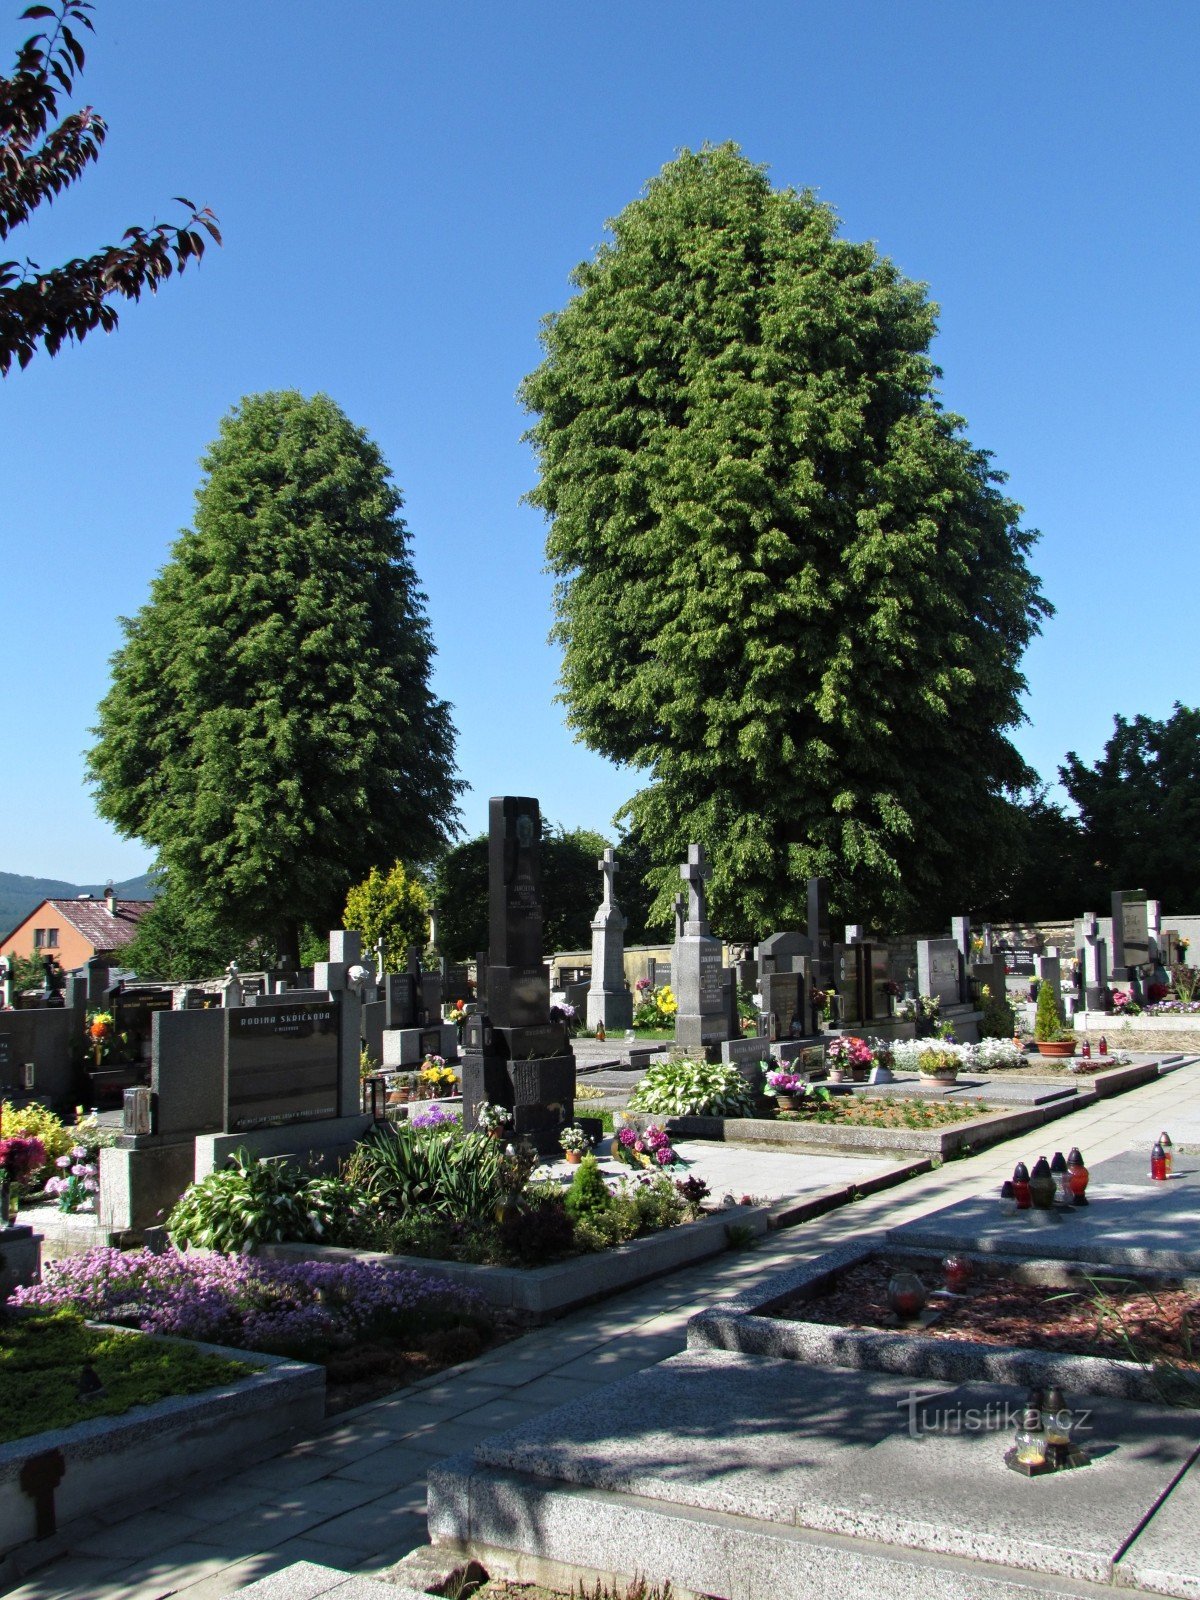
(39, 938)
(52, 938)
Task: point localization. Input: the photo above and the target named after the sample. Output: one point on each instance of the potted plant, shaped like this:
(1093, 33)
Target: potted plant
(574, 1143)
(940, 1065)
(1049, 1030)
(788, 1089)
(849, 1059)
(493, 1119)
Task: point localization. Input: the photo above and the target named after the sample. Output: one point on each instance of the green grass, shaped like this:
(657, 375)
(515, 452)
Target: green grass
(41, 1359)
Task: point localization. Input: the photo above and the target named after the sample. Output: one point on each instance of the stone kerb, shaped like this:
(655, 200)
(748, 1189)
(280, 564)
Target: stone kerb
(750, 1326)
(151, 1449)
(551, 1290)
(990, 1128)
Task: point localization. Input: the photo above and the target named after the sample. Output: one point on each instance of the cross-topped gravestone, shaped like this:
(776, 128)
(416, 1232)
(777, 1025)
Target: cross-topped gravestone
(609, 1002)
(702, 1020)
(696, 872)
(609, 867)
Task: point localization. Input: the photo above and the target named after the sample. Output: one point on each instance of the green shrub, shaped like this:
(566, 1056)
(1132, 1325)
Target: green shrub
(588, 1193)
(447, 1173)
(933, 1060)
(999, 1019)
(253, 1202)
(38, 1123)
(1048, 1024)
(693, 1088)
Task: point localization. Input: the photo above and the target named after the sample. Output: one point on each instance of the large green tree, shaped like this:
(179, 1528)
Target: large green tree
(1139, 806)
(571, 888)
(270, 729)
(41, 155)
(789, 589)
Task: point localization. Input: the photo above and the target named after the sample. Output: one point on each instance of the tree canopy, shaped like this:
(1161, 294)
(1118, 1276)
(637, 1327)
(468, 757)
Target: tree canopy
(40, 157)
(270, 729)
(1139, 806)
(789, 589)
(571, 889)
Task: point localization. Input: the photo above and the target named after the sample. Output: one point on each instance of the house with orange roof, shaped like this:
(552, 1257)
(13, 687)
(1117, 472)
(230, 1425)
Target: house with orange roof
(73, 931)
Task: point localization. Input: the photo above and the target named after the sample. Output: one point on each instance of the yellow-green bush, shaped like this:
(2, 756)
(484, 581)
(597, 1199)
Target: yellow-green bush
(41, 1124)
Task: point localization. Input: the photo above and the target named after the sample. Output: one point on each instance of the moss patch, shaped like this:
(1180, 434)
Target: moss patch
(42, 1359)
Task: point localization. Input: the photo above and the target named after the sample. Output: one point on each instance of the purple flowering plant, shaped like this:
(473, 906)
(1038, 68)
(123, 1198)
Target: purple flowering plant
(77, 1182)
(296, 1308)
(647, 1149)
(435, 1116)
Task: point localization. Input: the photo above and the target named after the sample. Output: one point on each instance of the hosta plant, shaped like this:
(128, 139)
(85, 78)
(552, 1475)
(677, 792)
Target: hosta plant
(251, 1202)
(693, 1088)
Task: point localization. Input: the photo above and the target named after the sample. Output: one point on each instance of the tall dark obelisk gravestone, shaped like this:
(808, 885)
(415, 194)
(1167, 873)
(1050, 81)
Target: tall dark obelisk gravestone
(513, 1054)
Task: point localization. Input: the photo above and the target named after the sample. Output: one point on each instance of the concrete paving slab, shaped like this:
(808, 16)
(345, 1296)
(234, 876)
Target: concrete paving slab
(1165, 1556)
(1130, 1220)
(846, 1453)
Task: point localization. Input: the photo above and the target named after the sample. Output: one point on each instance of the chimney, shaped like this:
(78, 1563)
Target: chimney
(110, 899)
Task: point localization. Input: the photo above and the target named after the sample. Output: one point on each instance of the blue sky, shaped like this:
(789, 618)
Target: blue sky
(403, 191)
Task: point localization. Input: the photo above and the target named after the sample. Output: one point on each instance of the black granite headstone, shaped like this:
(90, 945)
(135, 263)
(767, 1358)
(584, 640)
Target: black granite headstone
(513, 1054)
(281, 1063)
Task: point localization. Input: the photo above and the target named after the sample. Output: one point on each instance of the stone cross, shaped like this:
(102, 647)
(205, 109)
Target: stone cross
(679, 905)
(1095, 962)
(696, 872)
(608, 866)
(380, 959)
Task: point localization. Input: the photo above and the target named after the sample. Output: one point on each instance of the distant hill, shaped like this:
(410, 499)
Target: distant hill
(19, 895)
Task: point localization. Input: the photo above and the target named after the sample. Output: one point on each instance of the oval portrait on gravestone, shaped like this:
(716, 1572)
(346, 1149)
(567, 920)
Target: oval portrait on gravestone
(525, 830)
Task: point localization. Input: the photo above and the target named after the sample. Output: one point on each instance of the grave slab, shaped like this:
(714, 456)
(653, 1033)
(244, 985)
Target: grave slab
(848, 1454)
(1165, 1556)
(1130, 1220)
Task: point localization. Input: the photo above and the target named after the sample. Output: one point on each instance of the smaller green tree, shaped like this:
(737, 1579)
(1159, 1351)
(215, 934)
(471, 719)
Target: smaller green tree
(392, 906)
(28, 972)
(1048, 1024)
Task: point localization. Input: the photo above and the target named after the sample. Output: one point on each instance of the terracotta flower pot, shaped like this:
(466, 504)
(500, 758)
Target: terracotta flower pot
(573, 1157)
(1056, 1047)
(787, 1102)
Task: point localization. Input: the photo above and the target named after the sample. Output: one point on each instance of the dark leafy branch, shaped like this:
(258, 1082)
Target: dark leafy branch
(40, 157)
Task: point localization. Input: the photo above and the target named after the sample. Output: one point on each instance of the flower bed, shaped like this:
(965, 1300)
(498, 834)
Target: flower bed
(882, 1111)
(301, 1309)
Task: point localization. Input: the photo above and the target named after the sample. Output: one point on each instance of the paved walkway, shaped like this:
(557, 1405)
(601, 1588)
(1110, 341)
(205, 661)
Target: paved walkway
(353, 1496)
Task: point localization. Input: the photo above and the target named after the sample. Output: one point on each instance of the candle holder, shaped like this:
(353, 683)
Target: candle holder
(1043, 1438)
(906, 1296)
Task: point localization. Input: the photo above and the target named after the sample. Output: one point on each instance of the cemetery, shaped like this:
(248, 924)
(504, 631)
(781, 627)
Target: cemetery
(348, 1178)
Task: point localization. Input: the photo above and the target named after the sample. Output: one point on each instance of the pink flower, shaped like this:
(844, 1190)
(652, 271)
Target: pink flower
(664, 1155)
(626, 1137)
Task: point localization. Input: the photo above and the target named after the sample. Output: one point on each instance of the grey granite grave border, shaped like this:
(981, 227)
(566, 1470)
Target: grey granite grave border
(563, 1285)
(745, 1325)
(550, 1291)
(991, 1127)
(540, 1528)
(158, 1446)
